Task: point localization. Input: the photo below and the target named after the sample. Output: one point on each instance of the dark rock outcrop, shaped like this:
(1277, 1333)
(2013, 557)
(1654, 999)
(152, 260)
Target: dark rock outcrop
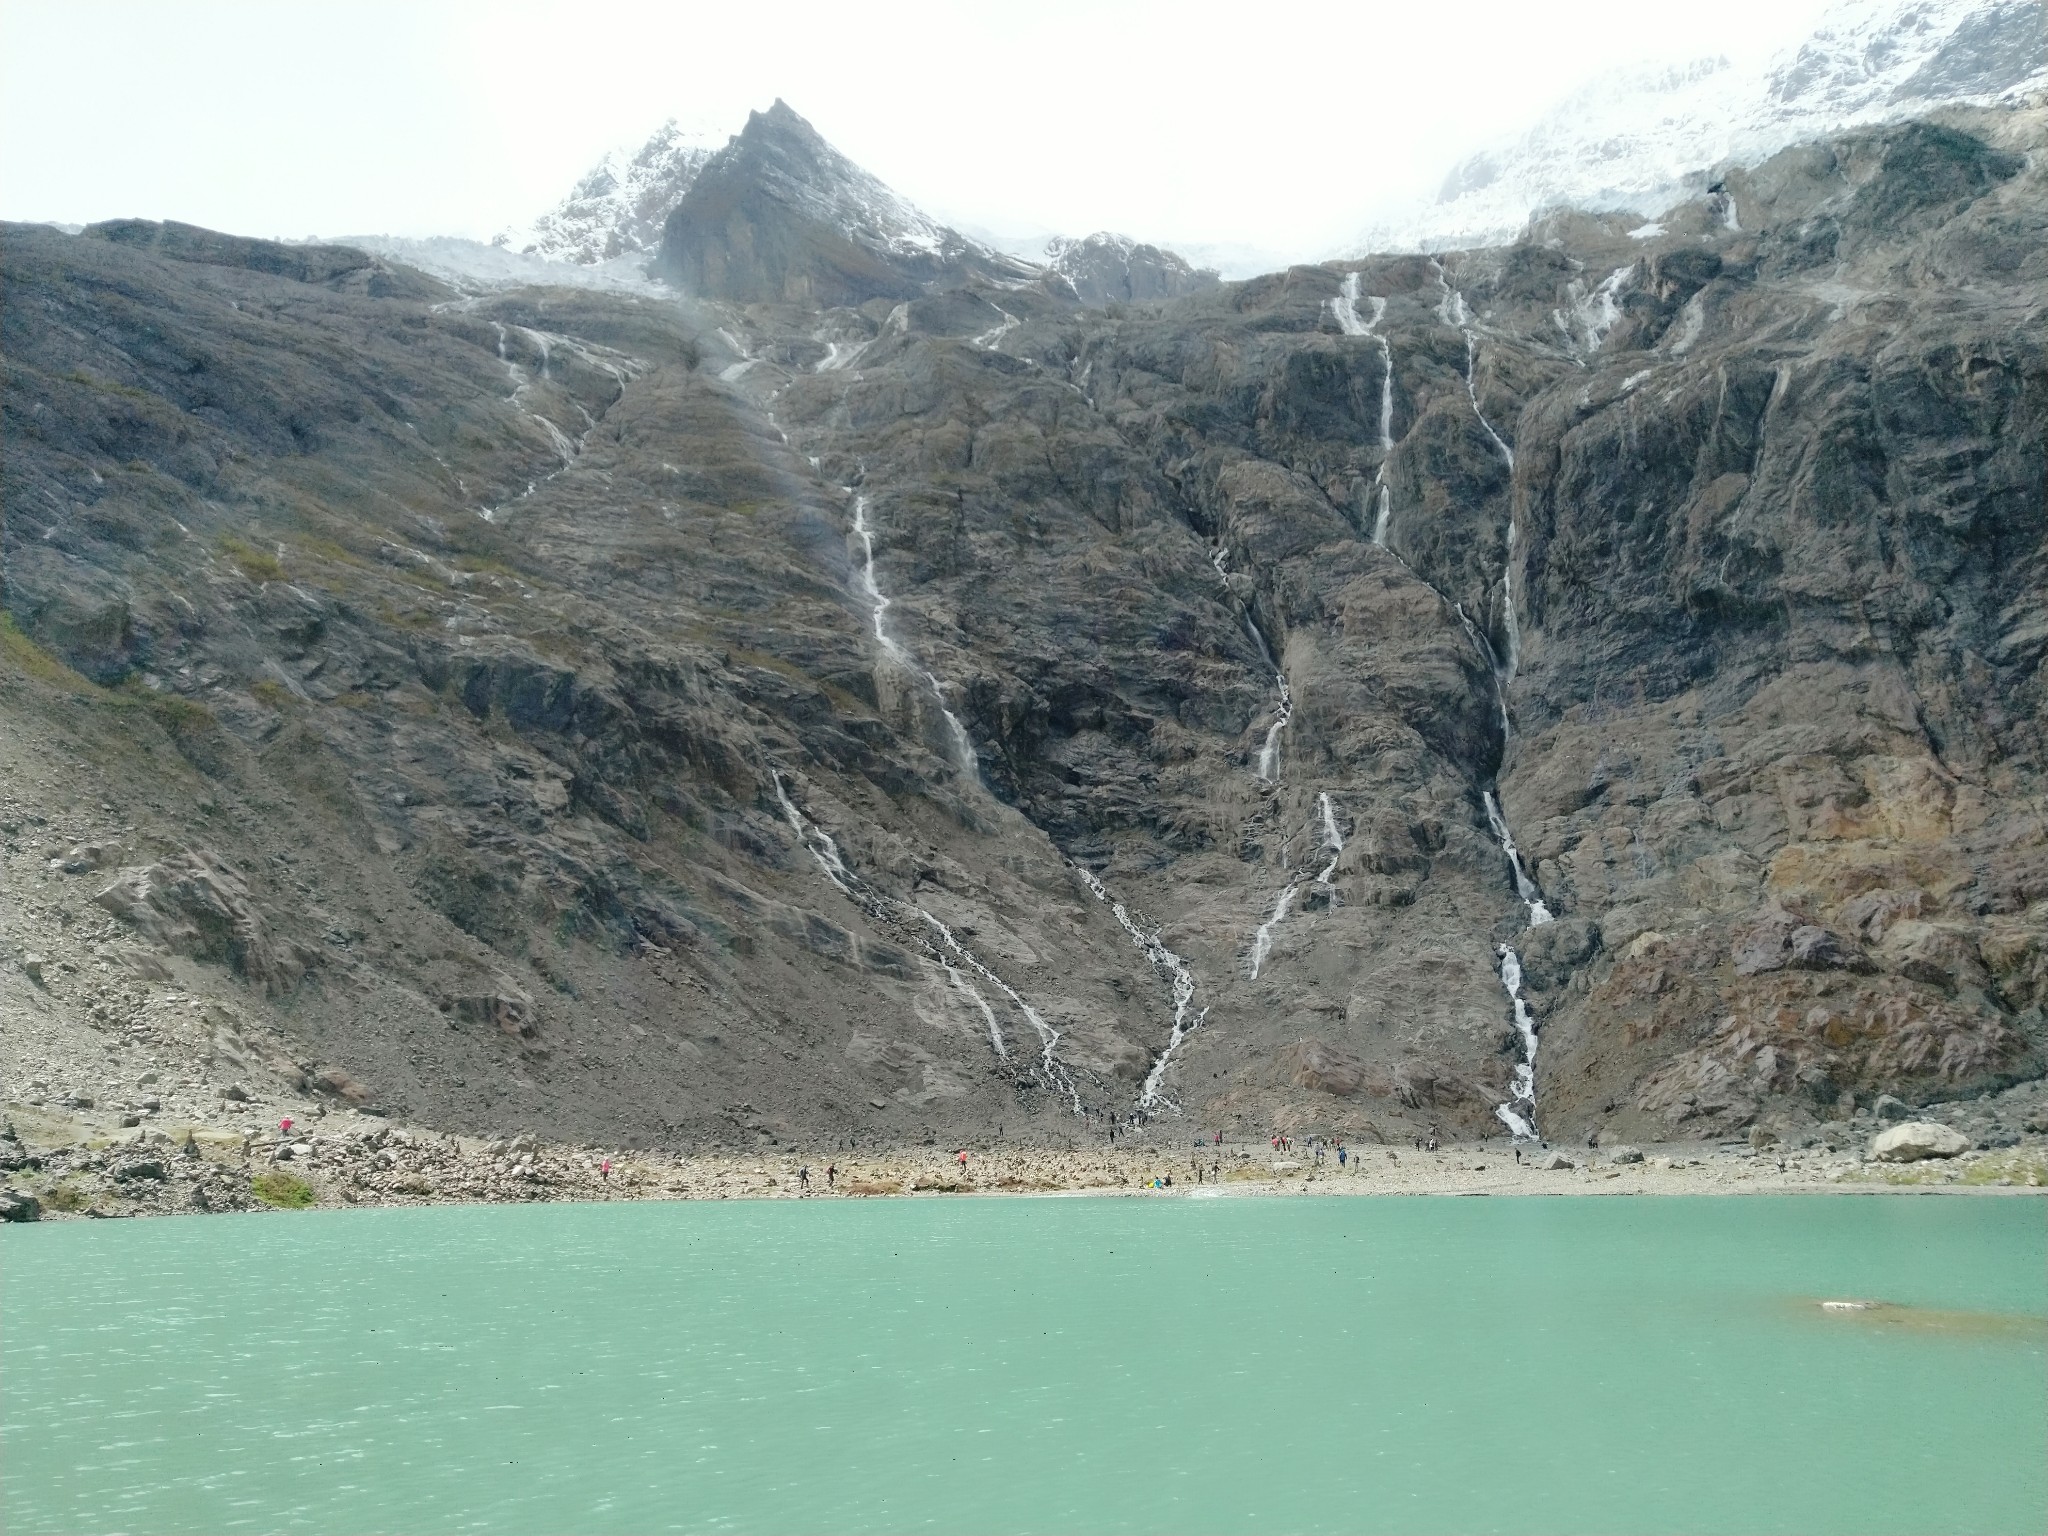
(1115, 269)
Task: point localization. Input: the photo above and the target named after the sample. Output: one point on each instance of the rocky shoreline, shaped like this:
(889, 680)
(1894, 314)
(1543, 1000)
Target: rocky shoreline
(62, 1166)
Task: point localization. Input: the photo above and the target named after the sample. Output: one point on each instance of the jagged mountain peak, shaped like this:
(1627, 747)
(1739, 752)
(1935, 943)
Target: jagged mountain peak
(780, 215)
(797, 165)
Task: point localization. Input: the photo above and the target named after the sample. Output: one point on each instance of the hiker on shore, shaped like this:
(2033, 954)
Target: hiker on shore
(604, 1170)
(831, 1174)
(803, 1177)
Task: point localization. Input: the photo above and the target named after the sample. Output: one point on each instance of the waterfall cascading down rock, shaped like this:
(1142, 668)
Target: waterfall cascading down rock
(1262, 939)
(1269, 754)
(1453, 313)
(1268, 767)
(1345, 308)
(1332, 838)
(1592, 315)
(1048, 1037)
(1518, 1114)
(1175, 969)
(995, 1030)
(821, 847)
(961, 743)
(1527, 889)
(568, 449)
(1333, 842)
(824, 851)
(968, 990)
(989, 338)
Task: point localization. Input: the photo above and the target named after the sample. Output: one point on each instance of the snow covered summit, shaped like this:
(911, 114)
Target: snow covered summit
(1642, 139)
(620, 205)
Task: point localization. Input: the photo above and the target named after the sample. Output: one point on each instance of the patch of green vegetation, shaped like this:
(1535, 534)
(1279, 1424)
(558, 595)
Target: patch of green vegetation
(256, 564)
(2021, 1166)
(25, 654)
(66, 1197)
(286, 1191)
(269, 692)
(410, 618)
(327, 549)
(2017, 1166)
(107, 386)
(179, 717)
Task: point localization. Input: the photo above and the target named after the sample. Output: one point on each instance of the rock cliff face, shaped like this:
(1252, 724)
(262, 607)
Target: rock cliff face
(1115, 269)
(876, 695)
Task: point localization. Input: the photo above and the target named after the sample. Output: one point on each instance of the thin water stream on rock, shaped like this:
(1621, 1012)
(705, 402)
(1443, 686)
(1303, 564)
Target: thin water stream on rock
(1332, 838)
(961, 743)
(1175, 969)
(1518, 1113)
(1345, 307)
(919, 926)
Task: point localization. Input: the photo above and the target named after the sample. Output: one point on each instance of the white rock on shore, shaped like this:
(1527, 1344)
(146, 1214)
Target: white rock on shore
(1916, 1139)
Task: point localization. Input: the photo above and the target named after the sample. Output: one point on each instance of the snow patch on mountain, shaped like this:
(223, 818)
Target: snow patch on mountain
(473, 266)
(1639, 140)
(619, 206)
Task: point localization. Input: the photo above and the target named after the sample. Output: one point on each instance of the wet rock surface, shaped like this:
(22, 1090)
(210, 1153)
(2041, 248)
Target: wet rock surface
(481, 712)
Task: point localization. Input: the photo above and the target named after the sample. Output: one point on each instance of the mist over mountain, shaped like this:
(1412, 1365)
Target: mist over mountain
(755, 662)
(1636, 140)
(1631, 141)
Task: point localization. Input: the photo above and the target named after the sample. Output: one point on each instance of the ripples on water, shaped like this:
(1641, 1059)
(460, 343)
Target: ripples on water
(1018, 1365)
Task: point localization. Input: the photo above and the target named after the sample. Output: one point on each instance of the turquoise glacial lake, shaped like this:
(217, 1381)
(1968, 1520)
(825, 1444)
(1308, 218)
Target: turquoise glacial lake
(1177, 1365)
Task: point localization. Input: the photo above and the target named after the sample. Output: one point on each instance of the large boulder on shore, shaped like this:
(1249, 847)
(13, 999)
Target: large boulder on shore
(1916, 1139)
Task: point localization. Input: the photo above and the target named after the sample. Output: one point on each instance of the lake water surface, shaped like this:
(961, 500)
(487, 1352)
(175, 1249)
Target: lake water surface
(1160, 1365)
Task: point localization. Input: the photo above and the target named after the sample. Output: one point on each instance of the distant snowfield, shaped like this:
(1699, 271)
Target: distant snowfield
(1640, 140)
(473, 263)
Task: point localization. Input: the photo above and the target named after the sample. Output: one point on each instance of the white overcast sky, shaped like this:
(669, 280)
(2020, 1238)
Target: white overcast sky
(1275, 125)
